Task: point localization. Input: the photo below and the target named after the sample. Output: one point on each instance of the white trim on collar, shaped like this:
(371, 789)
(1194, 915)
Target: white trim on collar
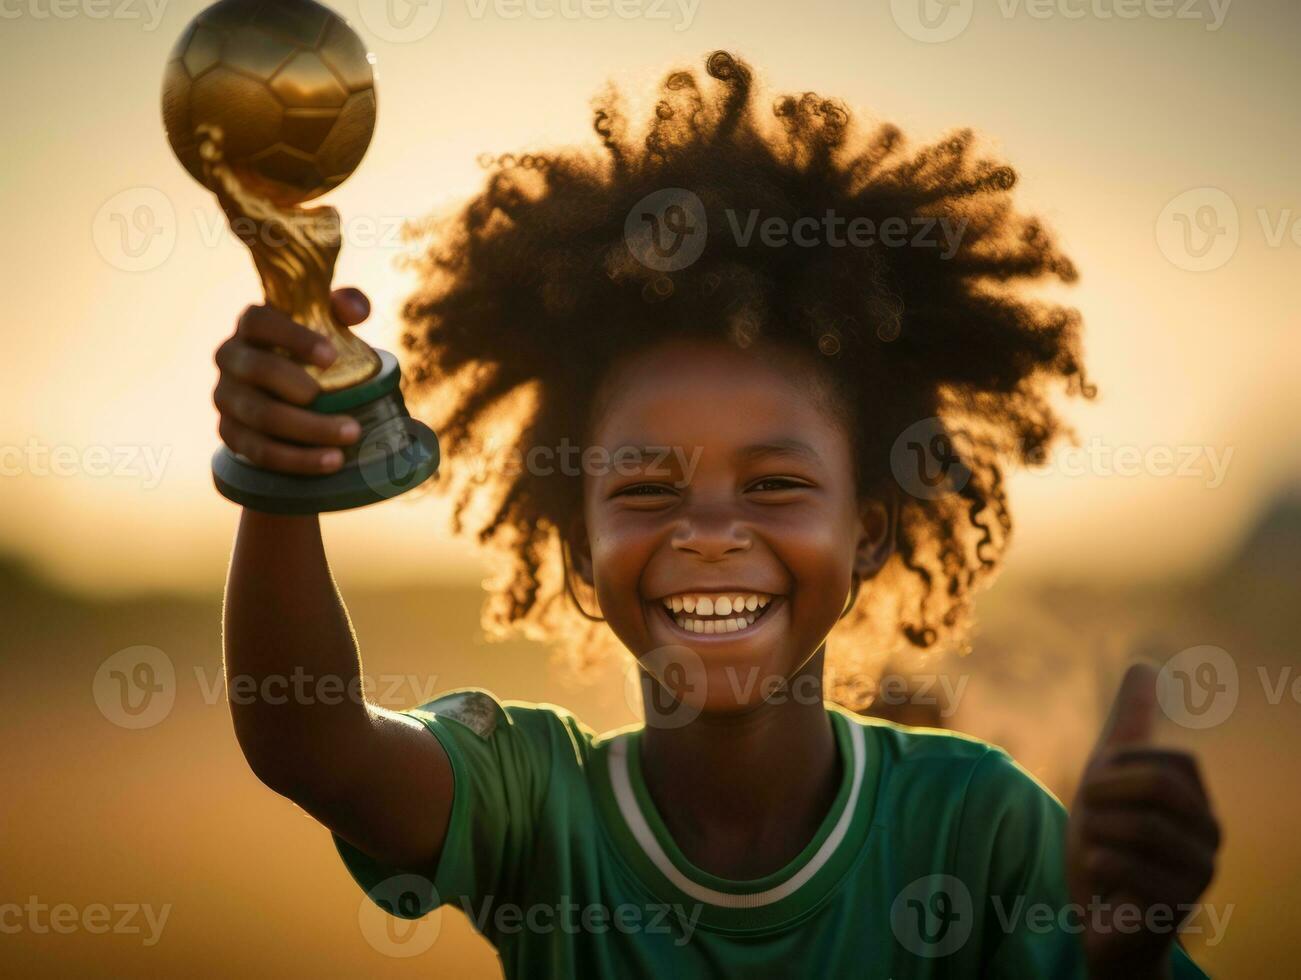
(641, 831)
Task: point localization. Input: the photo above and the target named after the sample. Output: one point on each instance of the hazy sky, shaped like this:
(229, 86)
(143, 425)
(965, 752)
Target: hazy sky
(1151, 135)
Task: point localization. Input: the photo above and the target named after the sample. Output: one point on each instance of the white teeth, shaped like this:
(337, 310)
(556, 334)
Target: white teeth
(713, 626)
(720, 605)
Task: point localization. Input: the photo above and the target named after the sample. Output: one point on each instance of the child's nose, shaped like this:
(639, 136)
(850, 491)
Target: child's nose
(712, 532)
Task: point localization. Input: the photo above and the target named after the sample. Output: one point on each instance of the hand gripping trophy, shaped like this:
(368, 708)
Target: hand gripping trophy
(268, 104)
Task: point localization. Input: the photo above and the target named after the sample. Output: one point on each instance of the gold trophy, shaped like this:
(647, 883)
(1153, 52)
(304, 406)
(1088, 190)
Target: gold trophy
(268, 104)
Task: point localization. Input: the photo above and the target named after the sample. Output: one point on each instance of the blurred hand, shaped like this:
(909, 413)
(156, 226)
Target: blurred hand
(1142, 839)
(263, 387)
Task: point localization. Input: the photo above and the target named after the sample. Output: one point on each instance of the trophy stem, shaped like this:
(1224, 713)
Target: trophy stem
(294, 250)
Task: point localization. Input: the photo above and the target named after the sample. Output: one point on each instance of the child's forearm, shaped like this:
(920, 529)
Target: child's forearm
(292, 669)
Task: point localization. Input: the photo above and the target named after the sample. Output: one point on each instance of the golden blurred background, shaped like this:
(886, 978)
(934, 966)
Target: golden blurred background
(1158, 139)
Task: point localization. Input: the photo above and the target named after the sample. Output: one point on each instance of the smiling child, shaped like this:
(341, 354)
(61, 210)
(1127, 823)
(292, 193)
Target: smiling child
(751, 328)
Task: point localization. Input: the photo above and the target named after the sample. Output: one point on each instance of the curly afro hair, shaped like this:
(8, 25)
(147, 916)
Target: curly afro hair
(531, 292)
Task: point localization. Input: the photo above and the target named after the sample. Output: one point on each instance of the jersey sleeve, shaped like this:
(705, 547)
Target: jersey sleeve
(1011, 850)
(501, 761)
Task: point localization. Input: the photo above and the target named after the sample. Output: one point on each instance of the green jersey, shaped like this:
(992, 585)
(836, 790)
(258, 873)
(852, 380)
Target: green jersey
(940, 857)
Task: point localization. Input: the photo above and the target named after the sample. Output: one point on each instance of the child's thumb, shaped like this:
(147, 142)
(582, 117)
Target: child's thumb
(350, 305)
(1133, 713)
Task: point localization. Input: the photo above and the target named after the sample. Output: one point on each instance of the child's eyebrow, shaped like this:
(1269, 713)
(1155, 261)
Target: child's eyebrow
(776, 447)
(746, 454)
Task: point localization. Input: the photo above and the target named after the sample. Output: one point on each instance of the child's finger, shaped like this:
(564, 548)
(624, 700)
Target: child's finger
(265, 326)
(1133, 712)
(1158, 787)
(1116, 869)
(1151, 833)
(269, 454)
(1185, 762)
(350, 305)
(269, 416)
(270, 372)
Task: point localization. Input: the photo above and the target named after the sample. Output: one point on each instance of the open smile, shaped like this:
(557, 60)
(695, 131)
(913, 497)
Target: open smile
(704, 617)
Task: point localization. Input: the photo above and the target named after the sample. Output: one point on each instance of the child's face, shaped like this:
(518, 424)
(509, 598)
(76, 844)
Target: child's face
(747, 488)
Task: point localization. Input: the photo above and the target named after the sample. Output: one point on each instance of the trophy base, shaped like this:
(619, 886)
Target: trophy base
(395, 453)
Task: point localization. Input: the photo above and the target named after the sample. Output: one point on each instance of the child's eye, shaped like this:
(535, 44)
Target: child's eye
(643, 490)
(771, 483)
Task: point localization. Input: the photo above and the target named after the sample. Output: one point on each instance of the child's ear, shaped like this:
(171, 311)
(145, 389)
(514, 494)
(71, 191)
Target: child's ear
(580, 551)
(879, 521)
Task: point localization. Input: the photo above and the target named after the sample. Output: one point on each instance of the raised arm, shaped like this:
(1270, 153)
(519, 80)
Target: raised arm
(293, 670)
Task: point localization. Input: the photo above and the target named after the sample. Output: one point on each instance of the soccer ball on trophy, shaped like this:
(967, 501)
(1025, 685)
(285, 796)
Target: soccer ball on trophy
(288, 83)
